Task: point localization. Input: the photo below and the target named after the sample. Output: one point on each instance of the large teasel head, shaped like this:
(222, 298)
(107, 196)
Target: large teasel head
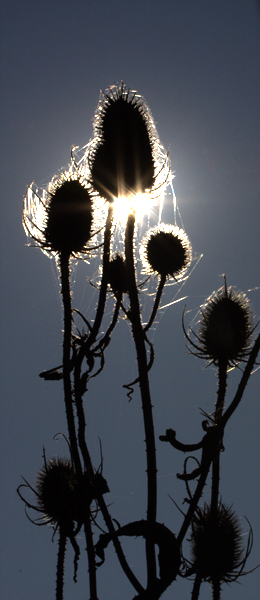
(166, 251)
(123, 152)
(225, 328)
(217, 549)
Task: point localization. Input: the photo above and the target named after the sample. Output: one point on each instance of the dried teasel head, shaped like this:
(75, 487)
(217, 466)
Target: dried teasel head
(69, 216)
(117, 277)
(124, 151)
(166, 250)
(216, 544)
(64, 217)
(225, 329)
(57, 492)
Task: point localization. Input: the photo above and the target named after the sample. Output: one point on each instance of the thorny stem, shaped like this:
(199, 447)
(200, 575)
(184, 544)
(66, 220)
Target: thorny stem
(194, 502)
(87, 463)
(243, 383)
(104, 282)
(60, 565)
(222, 386)
(216, 590)
(156, 303)
(91, 557)
(139, 339)
(90, 471)
(196, 587)
(105, 340)
(66, 296)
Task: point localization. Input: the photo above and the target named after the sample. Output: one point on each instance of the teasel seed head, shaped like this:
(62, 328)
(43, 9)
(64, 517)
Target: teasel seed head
(69, 217)
(122, 157)
(166, 250)
(226, 327)
(57, 492)
(117, 277)
(216, 543)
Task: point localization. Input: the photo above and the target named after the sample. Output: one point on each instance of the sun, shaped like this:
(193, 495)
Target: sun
(137, 204)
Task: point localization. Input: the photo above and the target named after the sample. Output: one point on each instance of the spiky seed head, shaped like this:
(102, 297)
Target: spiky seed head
(122, 159)
(117, 277)
(69, 217)
(216, 542)
(58, 492)
(226, 327)
(166, 250)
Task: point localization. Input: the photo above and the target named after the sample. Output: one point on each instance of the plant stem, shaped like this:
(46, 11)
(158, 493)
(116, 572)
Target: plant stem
(222, 386)
(90, 471)
(139, 339)
(103, 287)
(66, 297)
(156, 303)
(60, 565)
(216, 590)
(196, 587)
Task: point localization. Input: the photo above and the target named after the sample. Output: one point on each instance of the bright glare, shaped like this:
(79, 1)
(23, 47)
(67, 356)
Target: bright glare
(138, 204)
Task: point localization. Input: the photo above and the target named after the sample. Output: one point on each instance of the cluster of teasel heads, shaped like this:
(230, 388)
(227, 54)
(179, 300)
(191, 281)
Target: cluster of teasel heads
(126, 159)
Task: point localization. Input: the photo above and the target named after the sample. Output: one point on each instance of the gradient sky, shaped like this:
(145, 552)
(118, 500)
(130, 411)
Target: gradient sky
(197, 63)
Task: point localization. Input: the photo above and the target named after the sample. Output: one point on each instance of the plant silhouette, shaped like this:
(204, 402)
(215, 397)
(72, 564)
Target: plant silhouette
(74, 219)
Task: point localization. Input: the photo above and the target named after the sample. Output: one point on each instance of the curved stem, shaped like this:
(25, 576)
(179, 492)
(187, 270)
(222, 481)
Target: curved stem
(243, 383)
(156, 303)
(139, 339)
(105, 340)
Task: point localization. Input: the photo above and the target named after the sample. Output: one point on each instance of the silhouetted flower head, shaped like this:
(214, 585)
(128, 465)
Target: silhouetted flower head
(166, 250)
(117, 277)
(69, 217)
(60, 500)
(61, 218)
(225, 329)
(124, 153)
(57, 492)
(217, 548)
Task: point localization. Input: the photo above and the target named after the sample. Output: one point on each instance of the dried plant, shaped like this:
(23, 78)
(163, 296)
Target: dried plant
(124, 171)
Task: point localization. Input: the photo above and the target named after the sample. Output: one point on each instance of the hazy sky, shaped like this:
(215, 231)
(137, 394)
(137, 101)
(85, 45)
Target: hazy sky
(197, 63)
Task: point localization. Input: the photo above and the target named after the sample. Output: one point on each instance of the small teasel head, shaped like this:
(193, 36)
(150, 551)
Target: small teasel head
(166, 251)
(124, 150)
(117, 277)
(217, 548)
(226, 326)
(57, 491)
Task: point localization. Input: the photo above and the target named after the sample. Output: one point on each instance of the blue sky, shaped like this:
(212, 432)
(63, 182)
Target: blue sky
(197, 63)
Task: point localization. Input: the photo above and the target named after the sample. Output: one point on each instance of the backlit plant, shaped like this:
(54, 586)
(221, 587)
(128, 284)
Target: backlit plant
(93, 207)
